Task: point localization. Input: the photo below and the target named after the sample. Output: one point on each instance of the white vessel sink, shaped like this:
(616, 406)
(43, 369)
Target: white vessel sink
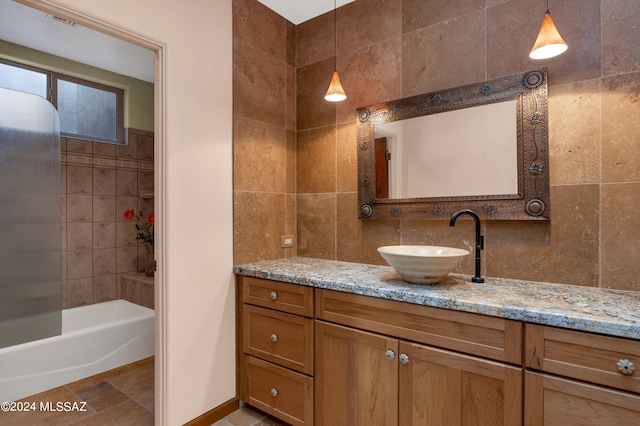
(422, 264)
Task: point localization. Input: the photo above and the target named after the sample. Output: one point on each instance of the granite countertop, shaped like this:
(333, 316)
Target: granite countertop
(612, 312)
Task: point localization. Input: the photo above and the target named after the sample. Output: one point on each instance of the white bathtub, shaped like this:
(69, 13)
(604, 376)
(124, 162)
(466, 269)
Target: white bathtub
(94, 339)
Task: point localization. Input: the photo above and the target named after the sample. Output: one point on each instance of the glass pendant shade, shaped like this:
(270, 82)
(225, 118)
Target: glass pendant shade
(549, 42)
(335, 93)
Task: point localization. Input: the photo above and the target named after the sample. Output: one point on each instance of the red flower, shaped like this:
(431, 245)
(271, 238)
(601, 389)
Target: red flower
(128, 214)
(150, 219)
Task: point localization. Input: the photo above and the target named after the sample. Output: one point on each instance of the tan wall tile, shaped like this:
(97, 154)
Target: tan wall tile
(620, 225)
(259, 222)
(574, 133)
(256, 72)
(620, 128)
(464, 35)
(619, 35)
(317, 225)
(259, 159)
(316, 160)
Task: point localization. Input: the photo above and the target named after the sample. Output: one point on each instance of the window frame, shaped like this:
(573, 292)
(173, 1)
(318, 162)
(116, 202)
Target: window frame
(52, 91)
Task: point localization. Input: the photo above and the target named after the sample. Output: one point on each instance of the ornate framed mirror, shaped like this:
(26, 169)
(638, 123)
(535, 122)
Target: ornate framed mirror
(483, 146)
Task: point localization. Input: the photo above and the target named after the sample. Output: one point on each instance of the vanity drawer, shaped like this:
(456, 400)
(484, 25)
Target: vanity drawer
(480, 335)
(292, 298)
(589, 357)
(278, 337)
(280, 392)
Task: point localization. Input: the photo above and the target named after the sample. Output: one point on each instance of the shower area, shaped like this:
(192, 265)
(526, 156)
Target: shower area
(30, 268)
(44, 343)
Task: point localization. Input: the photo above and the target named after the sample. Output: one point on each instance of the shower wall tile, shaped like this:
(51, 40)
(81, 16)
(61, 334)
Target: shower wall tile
(80, 292)
(104, 262)
(104, 288)
(104, 208)
(79, 236)
(129, 151)
(145, 147)
(80, 264)
(79, 208)
(77, 146)
(104, 235)
(104, 150)
(79, 180)
(98, 183)
(104, 181)
(63, 178)
(127, 183)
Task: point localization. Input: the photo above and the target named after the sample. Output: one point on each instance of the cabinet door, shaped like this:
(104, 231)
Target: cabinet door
(554, 401)
(439, 387)
(356, 380)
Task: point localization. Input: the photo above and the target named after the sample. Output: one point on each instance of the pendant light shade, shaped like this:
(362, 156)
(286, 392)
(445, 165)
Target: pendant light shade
(335, 93)
(549, 42)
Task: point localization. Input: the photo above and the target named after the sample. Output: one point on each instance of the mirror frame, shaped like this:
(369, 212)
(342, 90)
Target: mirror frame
(528, 89)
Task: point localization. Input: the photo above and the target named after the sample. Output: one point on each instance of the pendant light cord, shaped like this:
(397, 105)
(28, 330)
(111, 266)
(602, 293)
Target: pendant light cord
(335, 34)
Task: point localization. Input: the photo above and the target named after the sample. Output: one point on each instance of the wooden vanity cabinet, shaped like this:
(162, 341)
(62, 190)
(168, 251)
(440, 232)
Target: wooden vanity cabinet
(277, 343)
(580, 378)
(363, 377)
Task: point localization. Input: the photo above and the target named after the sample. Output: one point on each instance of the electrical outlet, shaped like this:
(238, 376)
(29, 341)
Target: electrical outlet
(287, 241)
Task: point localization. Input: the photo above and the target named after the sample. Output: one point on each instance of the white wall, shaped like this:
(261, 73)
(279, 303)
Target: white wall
(195, 354)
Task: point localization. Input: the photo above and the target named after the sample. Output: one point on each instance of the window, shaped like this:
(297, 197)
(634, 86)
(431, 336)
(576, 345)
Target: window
(87, 110)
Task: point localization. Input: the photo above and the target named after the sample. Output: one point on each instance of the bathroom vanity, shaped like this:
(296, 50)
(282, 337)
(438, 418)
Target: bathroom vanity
(336, 343)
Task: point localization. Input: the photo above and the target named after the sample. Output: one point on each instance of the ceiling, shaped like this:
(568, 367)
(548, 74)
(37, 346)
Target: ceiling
(298, 11)
(37, 30)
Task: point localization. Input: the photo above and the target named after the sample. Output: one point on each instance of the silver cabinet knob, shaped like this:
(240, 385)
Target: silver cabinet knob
(274, 295)
(274, 392)
(274, 337)
(404, 358)
(626, 367)
(391, 355)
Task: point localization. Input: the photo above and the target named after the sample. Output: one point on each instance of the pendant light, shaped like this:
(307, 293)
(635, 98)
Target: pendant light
(335, 93)
(549, 42)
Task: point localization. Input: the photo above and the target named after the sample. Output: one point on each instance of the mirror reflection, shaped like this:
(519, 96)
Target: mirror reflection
(464, 152)
(482, 146)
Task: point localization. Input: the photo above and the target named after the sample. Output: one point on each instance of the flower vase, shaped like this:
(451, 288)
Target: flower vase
(149, 261)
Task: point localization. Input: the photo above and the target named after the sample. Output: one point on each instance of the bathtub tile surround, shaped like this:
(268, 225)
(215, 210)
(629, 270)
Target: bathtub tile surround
(398, 48)
(605, 311)
(99, 182)
(122, 396)
(137, 288)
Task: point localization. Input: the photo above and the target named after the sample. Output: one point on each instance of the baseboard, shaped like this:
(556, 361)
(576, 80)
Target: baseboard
(216, 413)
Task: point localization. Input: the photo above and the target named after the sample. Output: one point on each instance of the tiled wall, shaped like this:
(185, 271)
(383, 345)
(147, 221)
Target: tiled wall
(98, 183)
(264, 132)
(389, 49)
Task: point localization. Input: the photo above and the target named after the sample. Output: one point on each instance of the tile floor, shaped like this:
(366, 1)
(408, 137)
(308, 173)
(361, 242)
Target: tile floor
(123, 396)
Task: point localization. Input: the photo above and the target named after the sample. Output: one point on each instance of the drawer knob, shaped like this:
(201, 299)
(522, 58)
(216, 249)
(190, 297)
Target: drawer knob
(274, 392)
(274, 337)
(391, 355)
(626, 367)
(274, 295)
(404, 359)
